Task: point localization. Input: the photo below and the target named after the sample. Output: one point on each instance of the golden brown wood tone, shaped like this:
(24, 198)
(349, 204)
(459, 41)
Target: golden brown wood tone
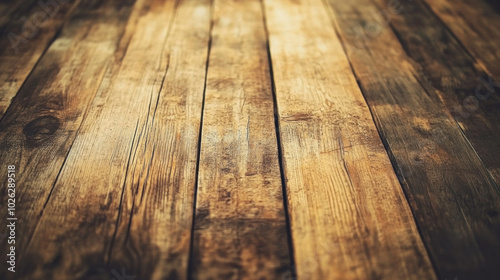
(349, 217)
(87, 195)
(38, 129)
(240, 228)
(27, 28)
(154, 228)
(448, 187)
(251, 139)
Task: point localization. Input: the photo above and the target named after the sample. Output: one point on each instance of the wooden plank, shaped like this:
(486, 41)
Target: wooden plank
(74, 236)
(20, 12)
(39, 127)
(444, 67)
(13, 9)
(453, 197)
(154, 227)
(27, 30)
(240, 226)
(477, 25)
(349, 216)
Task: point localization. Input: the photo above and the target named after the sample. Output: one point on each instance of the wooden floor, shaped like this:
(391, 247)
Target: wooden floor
(231, 139)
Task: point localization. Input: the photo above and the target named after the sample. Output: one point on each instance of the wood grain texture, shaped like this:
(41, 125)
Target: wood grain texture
(349, 217)
(27, 29)
(443, 67)
(256, 139)
(240, 227)
(39, 127)
(75, 233)
(477, 25)
(154, 226)
(453, 196)
(13, 9)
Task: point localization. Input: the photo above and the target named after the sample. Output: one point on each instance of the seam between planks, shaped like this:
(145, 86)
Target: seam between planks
(120, 208)
(418, 78)
(278, 142)
(490, 176)
(66, 19)
(478, 66)
(63, 164)
(198, 156)
(453, 35)
(110, 67)
(395, 166)
(84, 115)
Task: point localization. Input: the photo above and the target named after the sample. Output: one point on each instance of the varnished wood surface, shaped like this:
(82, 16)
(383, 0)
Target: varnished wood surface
(260, 139)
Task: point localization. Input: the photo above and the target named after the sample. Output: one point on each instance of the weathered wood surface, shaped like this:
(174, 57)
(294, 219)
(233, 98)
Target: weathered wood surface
(451, 192)
(349, 217)
(477, 25)
(148, 143)
(27, 29)
(443, 66)
(154, 227)
(87, 196)
(10, 10)
(39, 127)
(240, 227)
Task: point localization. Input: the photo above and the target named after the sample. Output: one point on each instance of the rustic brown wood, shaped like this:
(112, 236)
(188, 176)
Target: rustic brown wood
(452, 195)
(126, 118)
(477, 25)
(26, 31)
(349, 217)
(38, 129)
(444, 67)
(13, 9)
(154, 227)
(240, 227)
(86, 198)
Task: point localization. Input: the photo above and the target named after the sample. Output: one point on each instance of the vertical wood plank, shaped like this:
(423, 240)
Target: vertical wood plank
(27, 28)
(38, 129)
(154, 226)
(240, 229)
(349, 216)
(450, 191)
(74, 236)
